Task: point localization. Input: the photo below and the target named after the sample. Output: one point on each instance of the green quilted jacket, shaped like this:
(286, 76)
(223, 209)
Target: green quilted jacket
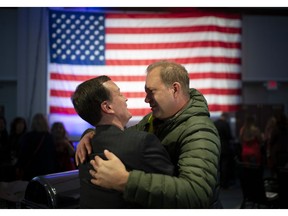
(193, 144)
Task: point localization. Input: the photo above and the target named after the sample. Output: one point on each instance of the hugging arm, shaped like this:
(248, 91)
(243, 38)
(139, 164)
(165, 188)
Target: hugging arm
(84, 146)
(192, 188)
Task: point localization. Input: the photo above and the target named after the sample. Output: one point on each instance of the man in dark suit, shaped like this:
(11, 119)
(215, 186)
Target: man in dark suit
(227, 154)
(100, 102)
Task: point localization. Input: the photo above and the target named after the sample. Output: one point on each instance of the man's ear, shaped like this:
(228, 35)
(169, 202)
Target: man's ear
(176, 87)
(105, 106)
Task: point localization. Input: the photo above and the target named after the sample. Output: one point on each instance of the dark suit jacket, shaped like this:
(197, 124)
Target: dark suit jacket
(136, 149)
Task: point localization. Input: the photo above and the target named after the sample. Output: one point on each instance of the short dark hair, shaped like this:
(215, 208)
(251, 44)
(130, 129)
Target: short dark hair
(88, 97)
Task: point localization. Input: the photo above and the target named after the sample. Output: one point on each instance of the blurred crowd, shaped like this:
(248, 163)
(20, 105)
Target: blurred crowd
(26, 153)
(267, 148)
(40, 150)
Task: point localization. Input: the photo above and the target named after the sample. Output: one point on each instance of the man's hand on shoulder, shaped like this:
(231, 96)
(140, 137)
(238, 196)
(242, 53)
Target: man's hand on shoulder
(110, 173)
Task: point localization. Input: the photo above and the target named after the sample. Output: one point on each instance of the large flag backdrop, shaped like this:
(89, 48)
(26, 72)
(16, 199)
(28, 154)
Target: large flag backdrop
(85, 44)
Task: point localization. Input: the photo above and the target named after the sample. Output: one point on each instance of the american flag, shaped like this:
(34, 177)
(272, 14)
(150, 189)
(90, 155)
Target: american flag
(85, 44)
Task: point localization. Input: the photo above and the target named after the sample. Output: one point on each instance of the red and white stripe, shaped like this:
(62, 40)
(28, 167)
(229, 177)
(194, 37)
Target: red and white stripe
(207, 45)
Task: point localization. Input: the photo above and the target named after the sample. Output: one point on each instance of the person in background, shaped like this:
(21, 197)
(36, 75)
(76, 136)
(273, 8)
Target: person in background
(100, 102)
(181, 120)
(278, 144)
(267, 135)
(251, 141)
(4, 149)
(64, 147)
(227, 155)
(37, 151)
(18, 128)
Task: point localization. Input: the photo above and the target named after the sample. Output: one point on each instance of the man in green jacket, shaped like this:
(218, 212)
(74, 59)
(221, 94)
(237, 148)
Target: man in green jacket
(180, 119)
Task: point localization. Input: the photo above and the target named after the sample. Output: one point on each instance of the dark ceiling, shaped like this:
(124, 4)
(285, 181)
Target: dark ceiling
(279, 11)
(273, 11)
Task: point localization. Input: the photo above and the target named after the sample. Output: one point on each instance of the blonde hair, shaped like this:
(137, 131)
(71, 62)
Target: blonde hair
(39, 123)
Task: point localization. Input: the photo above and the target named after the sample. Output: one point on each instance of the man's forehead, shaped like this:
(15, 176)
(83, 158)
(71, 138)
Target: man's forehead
(153, 80)
(111, 85)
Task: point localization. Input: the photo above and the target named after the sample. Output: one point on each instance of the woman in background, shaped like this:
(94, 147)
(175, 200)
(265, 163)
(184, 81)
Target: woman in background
(18, 128)
(251, 141)
(64, 147)
(37, 151)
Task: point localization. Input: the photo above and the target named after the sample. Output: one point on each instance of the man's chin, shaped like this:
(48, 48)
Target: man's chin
(130, 116)
(155, 114)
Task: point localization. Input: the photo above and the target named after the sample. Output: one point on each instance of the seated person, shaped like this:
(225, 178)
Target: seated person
(100, 102)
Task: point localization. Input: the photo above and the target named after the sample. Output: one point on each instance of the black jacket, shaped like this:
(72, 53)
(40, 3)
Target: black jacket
(136, 149)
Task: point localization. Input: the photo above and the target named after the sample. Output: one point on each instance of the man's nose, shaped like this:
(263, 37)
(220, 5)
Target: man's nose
(146, 99)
